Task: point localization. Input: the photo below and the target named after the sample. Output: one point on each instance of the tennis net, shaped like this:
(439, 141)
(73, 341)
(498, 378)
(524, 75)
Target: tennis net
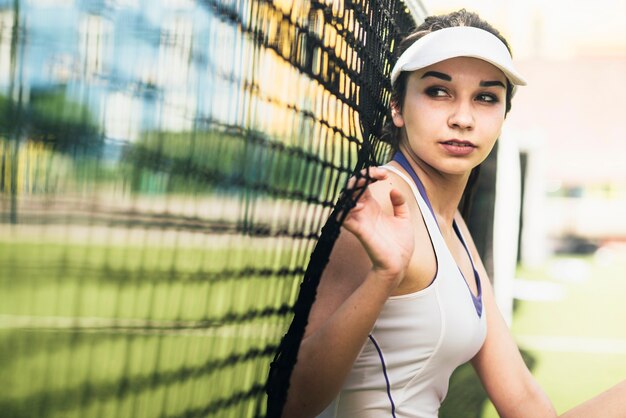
(170, 182)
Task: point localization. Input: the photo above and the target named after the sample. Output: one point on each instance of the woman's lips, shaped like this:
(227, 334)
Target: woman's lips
(458, 147)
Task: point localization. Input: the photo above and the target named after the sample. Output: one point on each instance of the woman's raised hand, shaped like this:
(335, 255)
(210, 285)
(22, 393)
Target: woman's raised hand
(387, 237)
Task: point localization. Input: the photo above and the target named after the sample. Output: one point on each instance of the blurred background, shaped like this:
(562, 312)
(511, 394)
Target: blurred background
(166, 169)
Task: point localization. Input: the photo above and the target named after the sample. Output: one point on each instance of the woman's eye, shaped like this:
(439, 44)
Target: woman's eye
(436, 92)
(487, 97)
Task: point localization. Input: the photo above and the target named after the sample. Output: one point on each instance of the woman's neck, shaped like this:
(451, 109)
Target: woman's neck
(444, 190)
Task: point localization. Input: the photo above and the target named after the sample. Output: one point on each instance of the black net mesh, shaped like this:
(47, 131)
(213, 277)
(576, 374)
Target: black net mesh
(169, 174)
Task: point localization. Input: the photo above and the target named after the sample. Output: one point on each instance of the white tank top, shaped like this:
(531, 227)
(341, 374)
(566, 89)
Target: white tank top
(418, 340)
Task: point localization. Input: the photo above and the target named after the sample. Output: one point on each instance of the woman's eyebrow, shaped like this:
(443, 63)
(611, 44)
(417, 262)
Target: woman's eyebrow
(437, 74)
(492, 83)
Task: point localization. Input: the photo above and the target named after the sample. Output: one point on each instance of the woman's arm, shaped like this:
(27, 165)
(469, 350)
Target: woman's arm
(366, 265)
(326, 355)
(499, 364)
(609, 404)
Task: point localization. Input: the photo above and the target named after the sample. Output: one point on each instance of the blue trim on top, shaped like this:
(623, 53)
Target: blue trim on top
(382, 361)
(478, 300)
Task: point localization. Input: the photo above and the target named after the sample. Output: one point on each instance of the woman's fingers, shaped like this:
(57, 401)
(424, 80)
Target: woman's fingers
(370, 174)
(398, 202)
(400, 207)
(354, 188)
(365, 202)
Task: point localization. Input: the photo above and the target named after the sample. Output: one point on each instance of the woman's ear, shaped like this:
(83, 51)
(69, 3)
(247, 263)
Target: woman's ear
(396, 115)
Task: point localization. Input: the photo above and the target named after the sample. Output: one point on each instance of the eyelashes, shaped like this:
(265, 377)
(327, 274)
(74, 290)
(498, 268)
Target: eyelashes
(437, 91)
(488, 98)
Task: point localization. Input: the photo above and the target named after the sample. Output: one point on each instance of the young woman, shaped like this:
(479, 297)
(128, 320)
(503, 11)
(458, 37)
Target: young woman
(405, 298)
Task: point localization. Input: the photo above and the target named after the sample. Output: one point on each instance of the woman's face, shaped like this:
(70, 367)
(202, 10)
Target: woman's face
(452, 113)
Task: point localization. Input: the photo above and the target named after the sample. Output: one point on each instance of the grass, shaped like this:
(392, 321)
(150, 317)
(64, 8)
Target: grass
(175, 369)
(134, 282)
(131, 331)
(120, 375)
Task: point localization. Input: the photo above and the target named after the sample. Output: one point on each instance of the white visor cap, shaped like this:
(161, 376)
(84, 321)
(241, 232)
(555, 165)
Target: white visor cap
(457, 41)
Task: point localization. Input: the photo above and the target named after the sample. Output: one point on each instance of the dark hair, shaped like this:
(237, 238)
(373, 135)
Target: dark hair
(391, 133)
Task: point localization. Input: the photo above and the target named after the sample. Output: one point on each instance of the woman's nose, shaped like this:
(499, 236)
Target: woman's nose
(461, 116)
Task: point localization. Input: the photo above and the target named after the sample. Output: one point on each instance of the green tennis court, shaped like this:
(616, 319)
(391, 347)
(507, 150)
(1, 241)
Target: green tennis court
(81, 340)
